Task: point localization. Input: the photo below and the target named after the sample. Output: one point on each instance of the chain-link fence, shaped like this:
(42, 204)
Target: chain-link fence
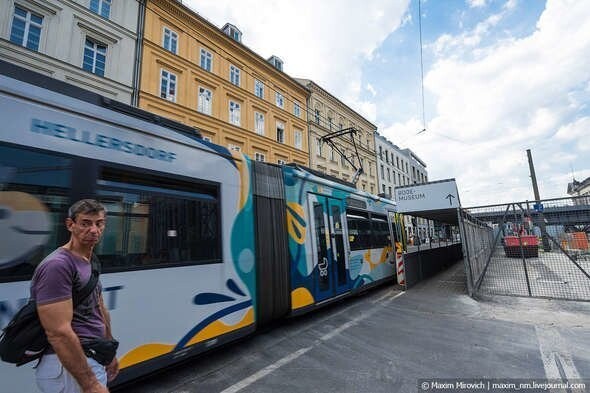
(528, 249)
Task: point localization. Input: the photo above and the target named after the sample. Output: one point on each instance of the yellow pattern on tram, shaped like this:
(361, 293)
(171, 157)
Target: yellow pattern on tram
(301, 297)
(217, 328)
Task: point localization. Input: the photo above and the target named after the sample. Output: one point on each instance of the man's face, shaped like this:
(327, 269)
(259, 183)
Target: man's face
(87, 228)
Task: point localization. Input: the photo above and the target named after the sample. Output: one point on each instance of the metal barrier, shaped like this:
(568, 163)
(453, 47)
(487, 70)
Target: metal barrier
(528, 249)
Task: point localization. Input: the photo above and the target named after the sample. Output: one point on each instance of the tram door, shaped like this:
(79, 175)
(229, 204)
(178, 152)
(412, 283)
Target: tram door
(331, 277)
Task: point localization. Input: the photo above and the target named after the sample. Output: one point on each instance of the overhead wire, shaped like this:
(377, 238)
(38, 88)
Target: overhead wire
(421, 68)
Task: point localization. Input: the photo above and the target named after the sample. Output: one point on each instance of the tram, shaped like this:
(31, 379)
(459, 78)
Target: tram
(192, 258)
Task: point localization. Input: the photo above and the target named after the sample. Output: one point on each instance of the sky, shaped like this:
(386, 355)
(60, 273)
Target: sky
(500, 77)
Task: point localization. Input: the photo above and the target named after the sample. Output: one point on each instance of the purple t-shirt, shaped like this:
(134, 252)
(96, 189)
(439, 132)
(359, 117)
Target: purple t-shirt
(54, 280)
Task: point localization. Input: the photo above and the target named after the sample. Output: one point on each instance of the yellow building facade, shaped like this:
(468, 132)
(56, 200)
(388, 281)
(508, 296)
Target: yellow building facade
(203, 76)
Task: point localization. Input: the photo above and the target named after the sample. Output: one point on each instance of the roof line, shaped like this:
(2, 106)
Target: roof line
(234, 42)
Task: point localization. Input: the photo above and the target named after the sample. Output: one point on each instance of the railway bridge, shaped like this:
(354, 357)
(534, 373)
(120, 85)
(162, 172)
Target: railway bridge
(567, 216)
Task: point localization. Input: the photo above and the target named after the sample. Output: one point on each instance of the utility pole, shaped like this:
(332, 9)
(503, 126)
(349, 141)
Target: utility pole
(546, 245)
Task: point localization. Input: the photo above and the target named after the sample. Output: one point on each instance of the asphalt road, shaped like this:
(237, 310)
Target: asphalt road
(388, 341)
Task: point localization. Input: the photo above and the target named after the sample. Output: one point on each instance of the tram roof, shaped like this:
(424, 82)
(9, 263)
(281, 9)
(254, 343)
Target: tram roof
(24, 75)
(334, 179)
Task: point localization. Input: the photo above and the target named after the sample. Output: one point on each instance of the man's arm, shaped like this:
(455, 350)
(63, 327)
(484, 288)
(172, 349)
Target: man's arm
(56, 319)
(113, 368)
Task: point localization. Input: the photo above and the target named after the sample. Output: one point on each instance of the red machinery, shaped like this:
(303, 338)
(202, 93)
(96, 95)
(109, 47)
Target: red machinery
(528, 244)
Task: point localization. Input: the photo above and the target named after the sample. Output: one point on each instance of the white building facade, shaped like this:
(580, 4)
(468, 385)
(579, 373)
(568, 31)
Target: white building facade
(423, 229)
(402, 167)
(392, 166)
(580, 189)
(87, 43)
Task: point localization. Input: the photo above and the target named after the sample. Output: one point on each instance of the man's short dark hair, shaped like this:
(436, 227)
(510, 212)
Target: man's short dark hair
(85, 206)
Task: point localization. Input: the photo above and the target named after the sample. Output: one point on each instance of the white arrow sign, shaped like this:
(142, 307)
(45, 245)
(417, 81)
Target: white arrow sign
(436, 195)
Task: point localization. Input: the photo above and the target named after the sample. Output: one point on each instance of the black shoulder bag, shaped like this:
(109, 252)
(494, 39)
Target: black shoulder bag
(23, 339)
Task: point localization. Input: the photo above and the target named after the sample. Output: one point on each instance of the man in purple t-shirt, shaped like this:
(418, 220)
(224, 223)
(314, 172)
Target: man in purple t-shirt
(65, 270)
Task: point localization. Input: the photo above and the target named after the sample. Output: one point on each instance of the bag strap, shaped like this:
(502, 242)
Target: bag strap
(79, 297)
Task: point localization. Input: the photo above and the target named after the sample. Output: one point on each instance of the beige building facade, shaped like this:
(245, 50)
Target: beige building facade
(87, 43)
(327, 114)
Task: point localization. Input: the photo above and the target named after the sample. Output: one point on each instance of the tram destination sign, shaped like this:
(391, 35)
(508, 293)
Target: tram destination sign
(436, 195)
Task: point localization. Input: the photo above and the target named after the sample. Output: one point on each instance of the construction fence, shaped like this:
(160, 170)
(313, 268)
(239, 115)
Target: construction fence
(537, 249)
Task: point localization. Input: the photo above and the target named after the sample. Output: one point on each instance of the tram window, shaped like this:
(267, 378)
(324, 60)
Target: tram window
(156, 221)
(380, 231)
(359, 230)
(34, 200)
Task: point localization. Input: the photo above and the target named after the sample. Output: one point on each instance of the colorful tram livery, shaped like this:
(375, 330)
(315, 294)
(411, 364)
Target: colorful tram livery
(192, 257)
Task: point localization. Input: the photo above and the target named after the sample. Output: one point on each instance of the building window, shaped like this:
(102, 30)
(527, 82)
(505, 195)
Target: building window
(259, 123)
(298, 138)
(399, 179)
(280, 132)
(380, 152)
(296, 109)
(318, 147)
(206, 60)
(94, 57)
(234, 113)
(233, 32)
(276, 62)
(168, 85)
(383, 187)
(281, 162)
(170, 40)
(259, 157)
(397, 162)
(317, 116)
(382, 173)
(259, 88)
(233, 147)
(330, 123)
(388, 175)
(280, 101)
(390, 191)
(332, 154)
(205, 101)
(26, 28)
(234, 75)
(101, 7)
